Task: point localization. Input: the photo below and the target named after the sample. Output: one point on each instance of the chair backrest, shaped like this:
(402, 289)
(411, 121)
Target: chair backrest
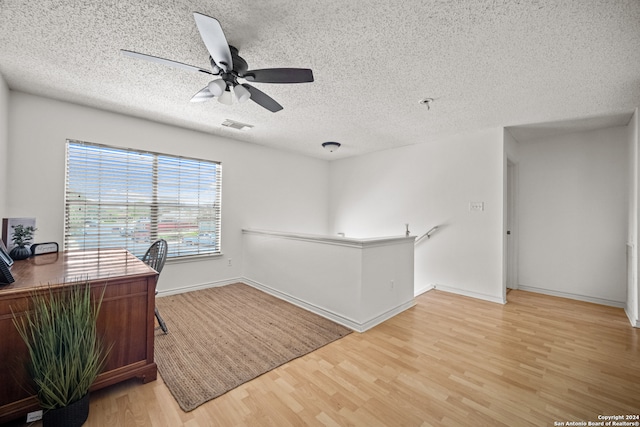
(156, 255)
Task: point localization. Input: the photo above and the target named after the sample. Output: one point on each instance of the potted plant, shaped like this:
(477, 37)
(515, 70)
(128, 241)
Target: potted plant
(65, 351)
(22, 236)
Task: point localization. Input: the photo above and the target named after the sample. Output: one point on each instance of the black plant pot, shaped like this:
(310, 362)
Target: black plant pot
(72, 415)
(20, 252)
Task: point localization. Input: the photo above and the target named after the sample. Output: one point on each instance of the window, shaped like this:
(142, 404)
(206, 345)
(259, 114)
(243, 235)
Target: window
(125, 198)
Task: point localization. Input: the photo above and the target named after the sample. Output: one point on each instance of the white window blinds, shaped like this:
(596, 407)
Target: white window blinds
(125, 198)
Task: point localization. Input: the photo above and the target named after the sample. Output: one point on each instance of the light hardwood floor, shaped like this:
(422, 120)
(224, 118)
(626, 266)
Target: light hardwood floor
(450, 361)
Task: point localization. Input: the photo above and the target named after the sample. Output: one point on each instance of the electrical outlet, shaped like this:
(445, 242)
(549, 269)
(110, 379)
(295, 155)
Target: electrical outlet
(34, 416)
(229, 263)
(392, 284)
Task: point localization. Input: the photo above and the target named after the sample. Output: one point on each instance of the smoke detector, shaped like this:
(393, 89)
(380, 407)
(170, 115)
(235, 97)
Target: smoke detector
(427, 102)
(236, 125)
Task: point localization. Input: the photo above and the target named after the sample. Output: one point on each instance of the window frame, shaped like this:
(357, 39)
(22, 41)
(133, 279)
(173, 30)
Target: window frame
(208, 214)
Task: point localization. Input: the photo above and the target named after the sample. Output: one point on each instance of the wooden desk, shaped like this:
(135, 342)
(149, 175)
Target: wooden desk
(126, 318)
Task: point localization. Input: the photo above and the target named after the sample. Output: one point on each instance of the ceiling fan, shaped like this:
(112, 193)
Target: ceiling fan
(226, 63)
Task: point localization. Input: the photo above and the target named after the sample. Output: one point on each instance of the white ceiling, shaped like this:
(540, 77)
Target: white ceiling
(485, 62)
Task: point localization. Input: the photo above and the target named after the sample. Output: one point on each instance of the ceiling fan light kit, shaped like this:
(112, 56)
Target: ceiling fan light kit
(216, 87)
(226, 63)
(241, 93)
(226, 98)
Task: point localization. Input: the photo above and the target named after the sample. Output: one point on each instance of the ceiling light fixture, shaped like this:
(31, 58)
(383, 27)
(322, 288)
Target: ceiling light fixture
(331, 146)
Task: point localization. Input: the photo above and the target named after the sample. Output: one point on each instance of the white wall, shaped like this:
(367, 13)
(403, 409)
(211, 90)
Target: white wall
(357, 283)
(573, 215)
(426, 185)
(632, 307)
(262, 188)
(373, 195)
(4, 144)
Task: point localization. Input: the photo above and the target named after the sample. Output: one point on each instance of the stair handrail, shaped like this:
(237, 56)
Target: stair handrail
(427, 235)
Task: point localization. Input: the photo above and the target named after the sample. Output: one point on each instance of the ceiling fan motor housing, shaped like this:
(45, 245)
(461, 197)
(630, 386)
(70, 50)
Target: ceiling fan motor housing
(226, 63)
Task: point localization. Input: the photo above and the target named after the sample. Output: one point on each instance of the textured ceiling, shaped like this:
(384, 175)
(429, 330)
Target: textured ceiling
(485, 62)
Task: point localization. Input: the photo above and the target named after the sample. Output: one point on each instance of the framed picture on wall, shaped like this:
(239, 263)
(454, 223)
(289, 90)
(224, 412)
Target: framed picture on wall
(7, 228)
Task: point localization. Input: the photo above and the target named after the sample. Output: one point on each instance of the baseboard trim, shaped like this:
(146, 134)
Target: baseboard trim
(199, 286)
(634, 322)
(328, 314)
(464, 292)
(578, 297)
(421, 290)
(344, 321)
(340, 319)
(386, 315)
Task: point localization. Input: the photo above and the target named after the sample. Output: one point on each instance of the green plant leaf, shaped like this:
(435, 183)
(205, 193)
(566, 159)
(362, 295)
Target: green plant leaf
(66, 353)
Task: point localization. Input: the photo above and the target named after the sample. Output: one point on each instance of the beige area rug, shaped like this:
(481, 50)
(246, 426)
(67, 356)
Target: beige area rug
(222, 337)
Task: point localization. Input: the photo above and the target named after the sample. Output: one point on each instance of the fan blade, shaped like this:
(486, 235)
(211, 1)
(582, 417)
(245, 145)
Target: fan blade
(202, 95)
(215, 41)
(280, 75)
(262, 99)
(163, 61)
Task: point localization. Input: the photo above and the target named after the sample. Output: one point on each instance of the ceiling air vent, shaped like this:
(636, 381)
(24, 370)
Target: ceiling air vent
(236, 125)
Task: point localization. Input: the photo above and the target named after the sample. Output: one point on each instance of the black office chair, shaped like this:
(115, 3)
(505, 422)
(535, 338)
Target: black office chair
(155, 257)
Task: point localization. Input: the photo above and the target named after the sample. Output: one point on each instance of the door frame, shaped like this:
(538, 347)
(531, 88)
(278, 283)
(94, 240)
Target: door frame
(512, 225)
